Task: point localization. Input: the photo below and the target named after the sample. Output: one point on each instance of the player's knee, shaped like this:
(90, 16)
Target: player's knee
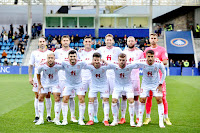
(81, 99)
(159, 100)
(57, 99)
(105, 99)
(65, 99)
(48, 95)
(114, 100)
(136, 98)
(124, 98)
(41, 98)
(131, 100)
(36, 95)
(142, 100)
(91, 100)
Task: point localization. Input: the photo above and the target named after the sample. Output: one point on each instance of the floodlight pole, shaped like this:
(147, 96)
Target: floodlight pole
(29, 18)
(150, 16)
(44, 19)
(97, 20)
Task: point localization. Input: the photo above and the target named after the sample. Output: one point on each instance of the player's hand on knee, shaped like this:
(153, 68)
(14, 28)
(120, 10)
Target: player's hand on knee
(159, 88)
(39, 88)
(31, 81)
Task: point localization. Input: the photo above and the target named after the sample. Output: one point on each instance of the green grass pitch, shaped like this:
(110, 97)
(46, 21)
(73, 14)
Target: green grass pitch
(17, 110)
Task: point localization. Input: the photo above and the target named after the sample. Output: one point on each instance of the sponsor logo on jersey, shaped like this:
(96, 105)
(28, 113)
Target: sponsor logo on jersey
(179, 42)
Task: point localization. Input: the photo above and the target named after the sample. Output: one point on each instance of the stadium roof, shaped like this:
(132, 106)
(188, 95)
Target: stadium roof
(104, 2)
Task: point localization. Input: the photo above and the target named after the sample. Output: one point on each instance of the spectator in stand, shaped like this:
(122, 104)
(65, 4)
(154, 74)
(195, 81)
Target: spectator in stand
(59, 40)
(76, 38)
(72, 38)
(178, 63)
(57, 46)
(5, 37)
(34, 32)
(4, 54)
(116, 39)
(11, 29)
(39, 28)
(54, 41)
(125, 39)
(5, 63)
(14, 63)
(10, 35)
(26, 37)
(50, 38)
(49, 46)
(3, 30)
(171, 64)
(134, 26)
(22, 50)
(141, 43)
(193, 63)
(186, 63)
(53, 49)
(19, 49)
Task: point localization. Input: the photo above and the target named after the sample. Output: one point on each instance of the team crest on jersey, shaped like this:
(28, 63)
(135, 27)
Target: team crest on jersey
(144, 67)
(78, 67)
(103, 70)
(116, 68)
(127, 69)
(56, 70)
(155, 68)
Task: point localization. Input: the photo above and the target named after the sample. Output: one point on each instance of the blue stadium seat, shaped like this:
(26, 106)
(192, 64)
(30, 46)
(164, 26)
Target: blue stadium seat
(76, 44)
(1, 51)
(0, 55)
(9, 56)
(8, 44)
(12, 43)
(13, 56)
(71, 44)
(1, 64)
(14, 52)
(17, 60)
(22, 56)
(3, 47)
(9, 52)
(12, 60)
(81, 45)
(81, 40)
(4, 44)
(20, 61)
(2, 60)
(7, 48)
(1, 43)
(9, 40)
(18, 56)
(92, 46)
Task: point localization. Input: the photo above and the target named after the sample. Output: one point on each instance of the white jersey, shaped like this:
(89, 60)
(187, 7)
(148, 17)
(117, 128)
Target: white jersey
(86, 56)
(73, 73)
(134, 55)
(61, 55)
(151, 77)
(37, 57)
(122, 76)
(99, 77)
(110, 55)
(50, 74)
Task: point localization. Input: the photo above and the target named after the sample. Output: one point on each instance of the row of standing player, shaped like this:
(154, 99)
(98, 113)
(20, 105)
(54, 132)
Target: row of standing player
(109, 53)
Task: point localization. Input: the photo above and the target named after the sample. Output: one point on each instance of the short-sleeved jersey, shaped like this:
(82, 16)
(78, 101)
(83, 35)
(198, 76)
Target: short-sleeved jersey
(110, 55)
(134, 55)
(73, 72)
(99, 77)
(151, 77)
(86, 56)
(122, 75)
(36, 58)
(50, 74)
(159, 52)
(61, 55)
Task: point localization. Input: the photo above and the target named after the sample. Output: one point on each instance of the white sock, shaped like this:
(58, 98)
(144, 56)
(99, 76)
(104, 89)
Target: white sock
(36, 107)
(131, 111)
(96, 105)
(48, 106)
(160, 111)
(137, 108)
(41, 109)
(64, 110)
(123, 108)
(165, 116)
(60, 105)
(72, 106)
(91, 110)
(81, 110)
(141, 111)
(118, 106)
(148, 116)
(57, 110)
(114, 111)
(106, 111)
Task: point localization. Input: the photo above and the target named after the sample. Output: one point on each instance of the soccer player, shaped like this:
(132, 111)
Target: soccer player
(98, 84)
(132, 54)
(86, 55)
(123, 84)
(151, 81)
(35, 59)
(61, 55)
(48, 82)
(110, 54)
(73, 82)
(161, 54)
